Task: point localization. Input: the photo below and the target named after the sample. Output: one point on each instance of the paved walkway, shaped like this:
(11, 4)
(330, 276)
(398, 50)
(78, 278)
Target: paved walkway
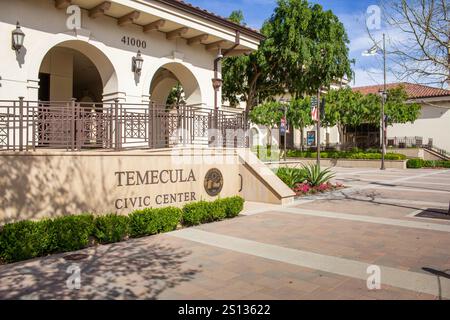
(322, 247)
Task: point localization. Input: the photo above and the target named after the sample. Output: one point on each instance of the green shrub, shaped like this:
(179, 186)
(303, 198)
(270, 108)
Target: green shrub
(414, 163)
(28, 239)
(315, 176)
(355, 154)
(435, 164)
(24, 240)
(203, 212)
(70, 233)
(196, 213)
(291, 176)
(111, 228)
(152, 221)
(443, 164)
(233, 206)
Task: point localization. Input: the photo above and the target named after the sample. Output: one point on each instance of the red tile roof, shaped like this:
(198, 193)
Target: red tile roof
(413, 90)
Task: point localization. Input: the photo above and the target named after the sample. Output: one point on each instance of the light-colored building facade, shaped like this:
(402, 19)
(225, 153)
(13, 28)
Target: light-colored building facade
(85, 50)
(433, 124)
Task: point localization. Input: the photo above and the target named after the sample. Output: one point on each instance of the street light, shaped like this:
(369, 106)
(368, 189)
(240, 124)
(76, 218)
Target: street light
(371, 52)
(383, 95)
(17, 38)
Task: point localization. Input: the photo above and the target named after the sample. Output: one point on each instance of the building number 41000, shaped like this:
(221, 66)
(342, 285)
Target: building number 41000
(130, 41)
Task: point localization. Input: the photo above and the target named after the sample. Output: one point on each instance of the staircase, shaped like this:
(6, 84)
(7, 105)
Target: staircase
(437, 152)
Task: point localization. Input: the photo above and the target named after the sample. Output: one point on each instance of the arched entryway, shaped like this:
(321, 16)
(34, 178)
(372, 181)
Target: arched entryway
(74, 78)
(173, 77)
(254, 137)
(76, 69)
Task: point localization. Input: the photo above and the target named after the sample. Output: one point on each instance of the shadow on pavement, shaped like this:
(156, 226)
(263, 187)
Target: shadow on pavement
(134, 269)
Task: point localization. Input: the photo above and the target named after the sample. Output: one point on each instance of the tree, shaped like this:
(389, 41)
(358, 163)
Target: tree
(307, 45)
(346, 107)
(267, 114)
(237, 16)
(424, 55)
(398, 110)
(305, 49)
(299, 116)
(176, 95)
(343, 108)
(248, 78)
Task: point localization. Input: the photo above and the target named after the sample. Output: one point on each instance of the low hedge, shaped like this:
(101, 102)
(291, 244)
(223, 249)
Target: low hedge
(70, 233)
(29, 239)
(204, 212)
(111, 228)
(420, 163)
(149, 221)
(345, 155)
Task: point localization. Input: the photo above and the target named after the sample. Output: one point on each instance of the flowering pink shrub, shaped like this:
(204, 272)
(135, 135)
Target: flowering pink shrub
(305, 188)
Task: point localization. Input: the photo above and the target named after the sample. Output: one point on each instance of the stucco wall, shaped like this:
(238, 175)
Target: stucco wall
(41, 184)
(100, 40)
(434, 122)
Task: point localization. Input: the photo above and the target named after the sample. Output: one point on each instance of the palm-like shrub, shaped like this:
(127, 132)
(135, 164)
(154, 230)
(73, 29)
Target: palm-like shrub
(315, 176)
(291, 176)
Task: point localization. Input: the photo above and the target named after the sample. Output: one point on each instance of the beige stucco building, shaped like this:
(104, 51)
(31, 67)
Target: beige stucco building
(84, 86)
(84, 49)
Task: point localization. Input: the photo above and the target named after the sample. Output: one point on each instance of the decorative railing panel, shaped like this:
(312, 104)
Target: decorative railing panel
(26, 125)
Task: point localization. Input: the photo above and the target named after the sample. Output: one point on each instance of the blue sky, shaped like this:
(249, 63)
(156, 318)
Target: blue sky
(368, 70)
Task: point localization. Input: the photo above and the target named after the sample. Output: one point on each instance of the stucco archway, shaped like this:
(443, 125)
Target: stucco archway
(167, 76)
(94, 54)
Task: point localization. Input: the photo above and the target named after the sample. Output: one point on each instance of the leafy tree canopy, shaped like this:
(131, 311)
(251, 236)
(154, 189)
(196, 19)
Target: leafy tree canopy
(345, 107)
(305, 49)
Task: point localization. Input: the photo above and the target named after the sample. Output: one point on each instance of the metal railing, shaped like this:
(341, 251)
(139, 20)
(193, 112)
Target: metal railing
(71, 125)
(416, 142)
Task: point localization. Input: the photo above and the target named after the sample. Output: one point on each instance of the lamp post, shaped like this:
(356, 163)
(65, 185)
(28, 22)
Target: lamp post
(383, 95)
(371, 52)
(17, 38)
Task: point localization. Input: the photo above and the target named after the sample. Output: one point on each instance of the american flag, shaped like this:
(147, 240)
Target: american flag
(314, 113)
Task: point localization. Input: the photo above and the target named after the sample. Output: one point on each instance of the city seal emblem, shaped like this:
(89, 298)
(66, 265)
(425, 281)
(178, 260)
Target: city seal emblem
(213, 182)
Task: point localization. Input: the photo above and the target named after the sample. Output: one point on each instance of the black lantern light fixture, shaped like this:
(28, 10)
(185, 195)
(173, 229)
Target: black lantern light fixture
(17, 38)
(138, 61)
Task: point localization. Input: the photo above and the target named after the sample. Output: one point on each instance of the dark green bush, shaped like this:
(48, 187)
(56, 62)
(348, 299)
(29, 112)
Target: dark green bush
(111, 228)
(24, 240)
(355, 154)
(28, 239)
(196, 213)
(414, 163)
(291, 176)
(203, 212)
(233, 206)
(152, 221)
(419, 163)
(70, 233)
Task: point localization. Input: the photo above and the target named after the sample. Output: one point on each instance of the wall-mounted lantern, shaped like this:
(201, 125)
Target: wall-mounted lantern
(17, 38)
(138, 61)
